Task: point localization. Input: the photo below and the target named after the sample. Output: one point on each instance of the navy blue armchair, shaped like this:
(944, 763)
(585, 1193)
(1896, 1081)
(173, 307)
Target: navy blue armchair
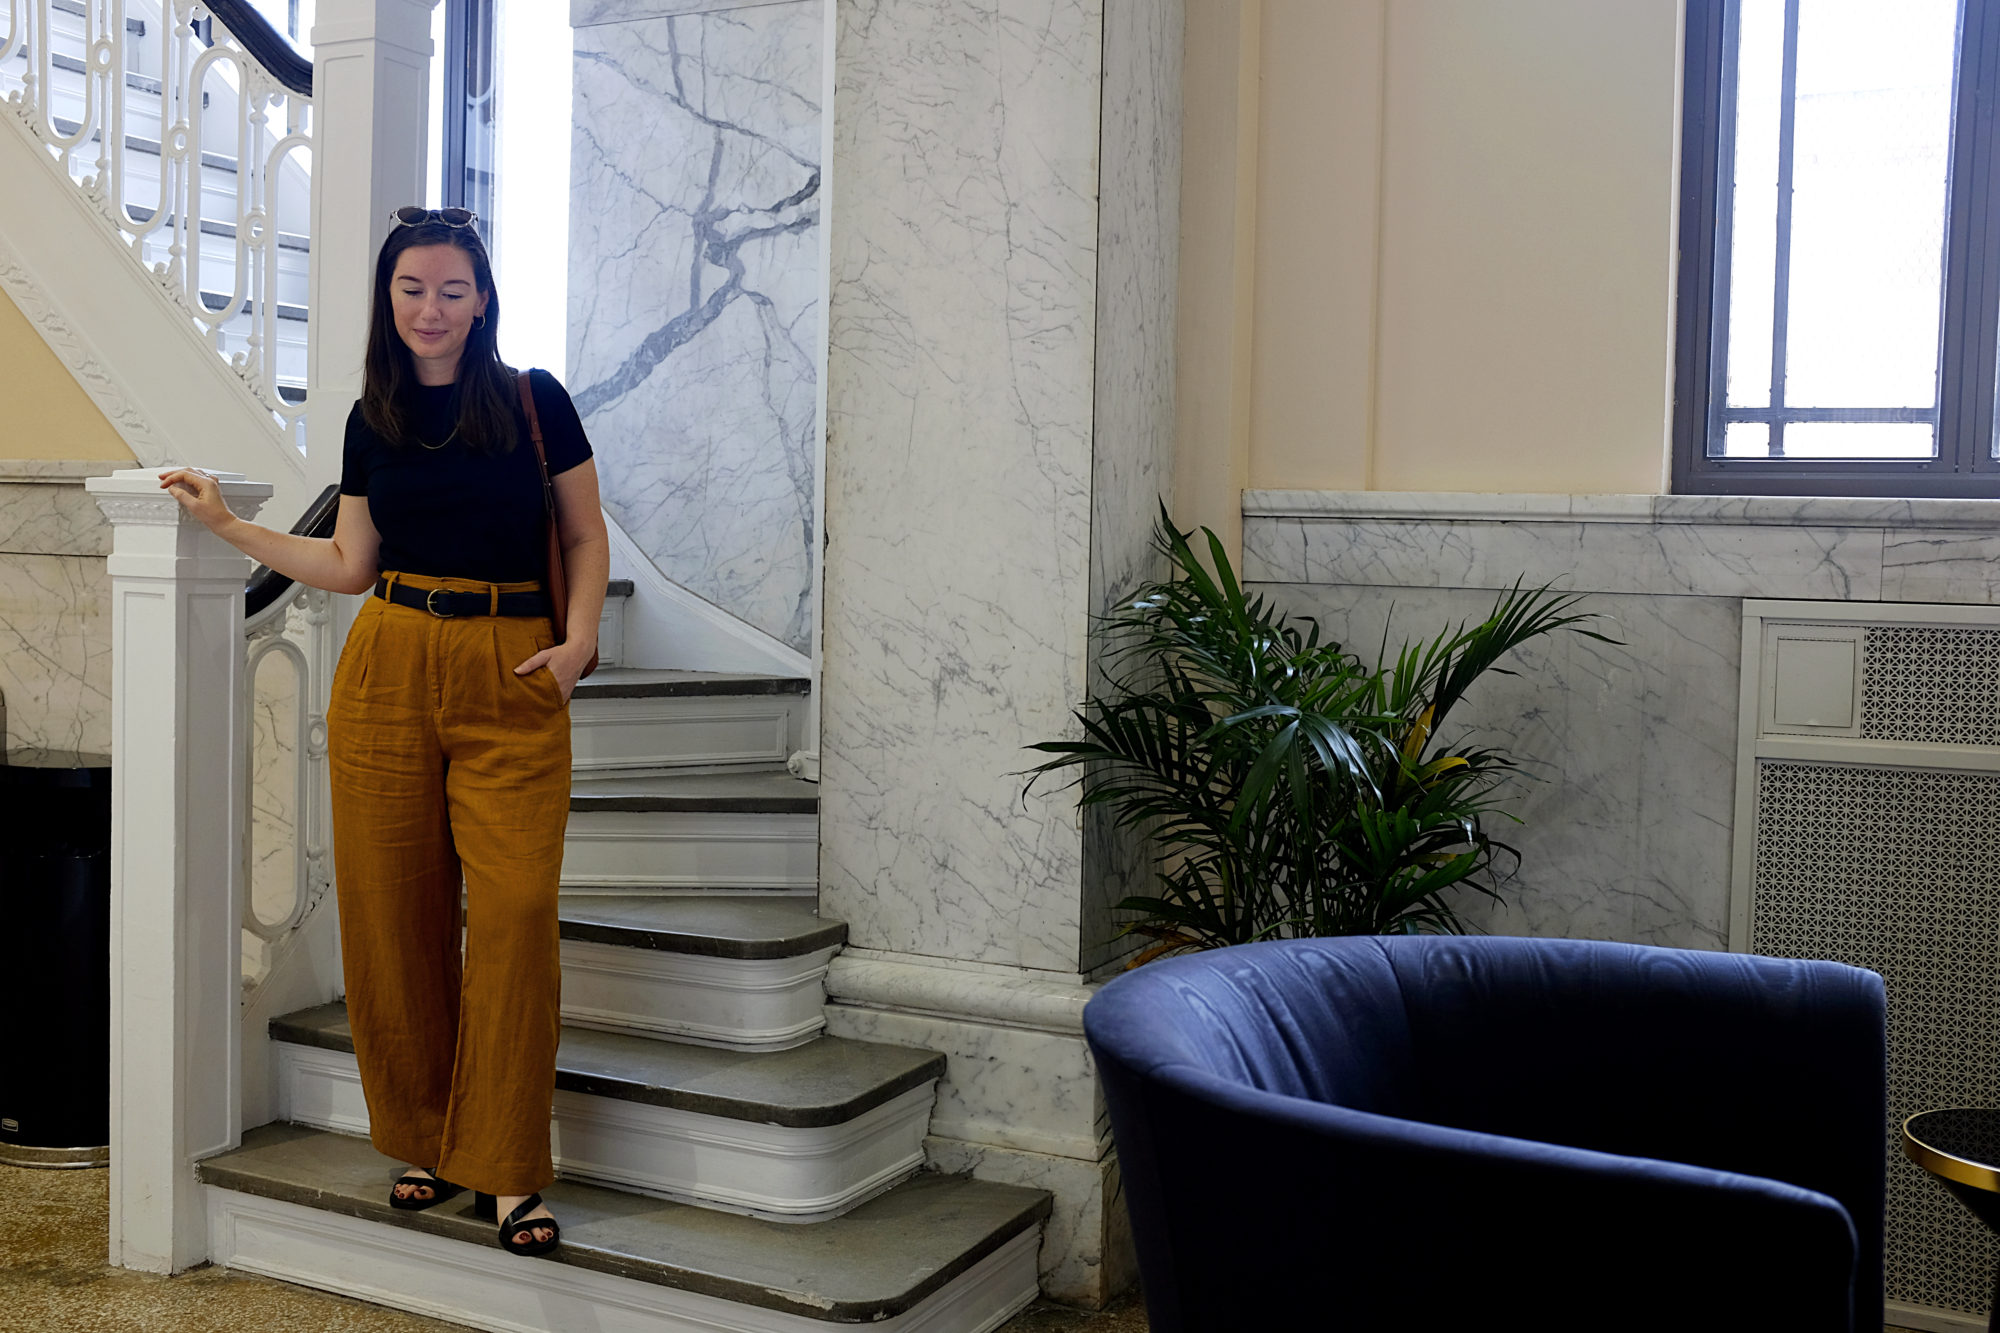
(1453, 1132)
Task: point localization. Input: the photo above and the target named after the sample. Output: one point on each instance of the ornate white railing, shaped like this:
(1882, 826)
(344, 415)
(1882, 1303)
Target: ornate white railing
(290, 650)
(195, 152)
(221, 846)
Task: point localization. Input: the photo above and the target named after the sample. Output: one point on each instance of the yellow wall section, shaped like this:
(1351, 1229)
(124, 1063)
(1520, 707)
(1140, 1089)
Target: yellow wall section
(48, 414)
(1527, 244)
(1212, 341)
(1463, 273)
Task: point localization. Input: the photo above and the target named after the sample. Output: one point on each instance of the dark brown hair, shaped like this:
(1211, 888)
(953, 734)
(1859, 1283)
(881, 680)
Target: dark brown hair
(488, 416)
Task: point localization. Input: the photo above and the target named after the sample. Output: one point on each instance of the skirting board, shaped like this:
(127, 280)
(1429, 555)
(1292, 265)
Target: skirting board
(485, 1288)
(740, 1166)
(1929, 1320)
(764, 1004)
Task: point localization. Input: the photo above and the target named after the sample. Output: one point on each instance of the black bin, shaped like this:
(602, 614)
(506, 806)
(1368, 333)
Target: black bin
(55, 949)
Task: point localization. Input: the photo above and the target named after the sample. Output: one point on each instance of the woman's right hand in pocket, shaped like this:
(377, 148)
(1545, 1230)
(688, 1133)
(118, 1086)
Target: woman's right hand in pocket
(199, 494)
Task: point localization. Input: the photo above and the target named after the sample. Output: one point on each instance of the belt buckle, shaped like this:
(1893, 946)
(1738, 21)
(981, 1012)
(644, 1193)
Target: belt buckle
(441, 615)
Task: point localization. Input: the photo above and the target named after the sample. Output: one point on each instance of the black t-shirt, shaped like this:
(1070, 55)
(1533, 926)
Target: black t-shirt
(454, 513)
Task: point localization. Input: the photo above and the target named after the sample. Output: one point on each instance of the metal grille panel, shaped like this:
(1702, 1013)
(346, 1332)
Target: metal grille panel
(1898, 870)
(1932, 685)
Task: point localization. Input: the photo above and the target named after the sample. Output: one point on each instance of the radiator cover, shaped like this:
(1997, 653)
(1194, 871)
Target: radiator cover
(1868, 831)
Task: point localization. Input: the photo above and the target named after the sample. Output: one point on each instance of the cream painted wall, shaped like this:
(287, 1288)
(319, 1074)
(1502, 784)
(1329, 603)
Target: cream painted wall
(1214, 370)
(1463, 264)
(48, 415)
(1525, 324)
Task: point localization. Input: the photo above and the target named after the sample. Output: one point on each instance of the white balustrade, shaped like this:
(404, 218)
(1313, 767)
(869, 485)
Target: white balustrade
(178, 815)
(290, 653)
(195, 154)
(202, 875)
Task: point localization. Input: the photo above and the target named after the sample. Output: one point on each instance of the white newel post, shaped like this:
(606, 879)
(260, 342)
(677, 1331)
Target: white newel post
(371, 102)
(177, 828)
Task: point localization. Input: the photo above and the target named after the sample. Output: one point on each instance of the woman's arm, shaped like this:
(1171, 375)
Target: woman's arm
(344, 562)
(586, 567)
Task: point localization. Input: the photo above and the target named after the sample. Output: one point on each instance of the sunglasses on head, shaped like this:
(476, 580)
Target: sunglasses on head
(410, 215)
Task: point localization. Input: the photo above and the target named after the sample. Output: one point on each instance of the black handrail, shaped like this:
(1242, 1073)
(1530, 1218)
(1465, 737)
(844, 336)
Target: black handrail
(266, 44)
(266, 584)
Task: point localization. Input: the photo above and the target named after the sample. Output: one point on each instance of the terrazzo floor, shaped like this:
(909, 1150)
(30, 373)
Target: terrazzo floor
(53, 1279)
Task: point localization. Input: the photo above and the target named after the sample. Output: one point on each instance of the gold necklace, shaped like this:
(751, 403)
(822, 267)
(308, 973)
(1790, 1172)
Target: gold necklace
(441, 443)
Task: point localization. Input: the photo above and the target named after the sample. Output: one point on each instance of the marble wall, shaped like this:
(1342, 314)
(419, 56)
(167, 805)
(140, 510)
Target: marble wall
(1000, 420)
(1132, 449)
(961, 385)
(695, 290)
(55, 631)
(1628, 795)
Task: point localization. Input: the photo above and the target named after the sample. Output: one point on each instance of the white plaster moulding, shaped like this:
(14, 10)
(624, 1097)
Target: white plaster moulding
(483, 1287)
(770, 1171)
(106, 391)
(1756, 510)
(943, 990)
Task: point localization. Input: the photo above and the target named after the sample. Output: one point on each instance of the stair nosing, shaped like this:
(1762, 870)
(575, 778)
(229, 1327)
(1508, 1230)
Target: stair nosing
(583, 803)
(695, 944)
(294, 1030)
(728, 687)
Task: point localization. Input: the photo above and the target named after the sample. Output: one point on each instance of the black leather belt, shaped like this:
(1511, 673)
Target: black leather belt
(446, 605)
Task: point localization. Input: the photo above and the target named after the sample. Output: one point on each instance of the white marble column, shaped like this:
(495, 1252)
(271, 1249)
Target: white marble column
(1005, 183)
(177, 815)
(371, 99)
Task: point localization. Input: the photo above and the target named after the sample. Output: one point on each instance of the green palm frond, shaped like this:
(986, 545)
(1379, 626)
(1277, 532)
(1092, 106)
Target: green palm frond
(1288, 788)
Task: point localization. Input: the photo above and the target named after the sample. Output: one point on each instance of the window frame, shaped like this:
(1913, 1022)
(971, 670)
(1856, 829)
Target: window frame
(471, 71)
(1969, 363)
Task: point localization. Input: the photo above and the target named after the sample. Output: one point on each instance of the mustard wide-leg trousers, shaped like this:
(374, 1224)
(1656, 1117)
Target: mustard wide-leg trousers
(446, 765)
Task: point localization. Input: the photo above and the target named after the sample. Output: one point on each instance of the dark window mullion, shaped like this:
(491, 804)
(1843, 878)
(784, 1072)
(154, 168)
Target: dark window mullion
(1971, 304)
(1781, 282)
(1721, 202)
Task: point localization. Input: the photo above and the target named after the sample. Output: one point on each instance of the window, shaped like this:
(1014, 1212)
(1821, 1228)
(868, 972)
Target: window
(1840, 249)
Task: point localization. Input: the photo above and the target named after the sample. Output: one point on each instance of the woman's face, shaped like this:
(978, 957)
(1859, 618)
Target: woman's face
(435, 300)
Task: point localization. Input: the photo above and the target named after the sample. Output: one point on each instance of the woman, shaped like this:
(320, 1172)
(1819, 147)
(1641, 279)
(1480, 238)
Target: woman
(448, 734)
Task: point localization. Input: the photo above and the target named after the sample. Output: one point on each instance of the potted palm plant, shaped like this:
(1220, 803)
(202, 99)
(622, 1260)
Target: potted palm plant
(1289, 788)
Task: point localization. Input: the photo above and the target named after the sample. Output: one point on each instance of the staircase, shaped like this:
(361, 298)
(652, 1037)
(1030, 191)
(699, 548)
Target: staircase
(248, 294)
(722, 1164)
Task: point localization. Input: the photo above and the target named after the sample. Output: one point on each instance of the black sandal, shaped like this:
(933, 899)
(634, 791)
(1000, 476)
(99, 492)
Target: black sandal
(441, 1189)
(485, 1206)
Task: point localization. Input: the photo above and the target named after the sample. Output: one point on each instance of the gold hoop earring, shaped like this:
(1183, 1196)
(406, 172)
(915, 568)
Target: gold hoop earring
(479, 321)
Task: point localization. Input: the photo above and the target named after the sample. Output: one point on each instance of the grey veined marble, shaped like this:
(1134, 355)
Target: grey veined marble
(695, 295)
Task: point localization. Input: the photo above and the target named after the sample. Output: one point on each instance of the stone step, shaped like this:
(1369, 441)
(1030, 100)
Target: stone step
(628, 722)
(723, 971)
(797, 1135)
(937, 1254)
(722, 832)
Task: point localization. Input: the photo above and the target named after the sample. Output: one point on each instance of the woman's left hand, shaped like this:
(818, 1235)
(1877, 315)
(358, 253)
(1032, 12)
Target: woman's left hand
(564, 661)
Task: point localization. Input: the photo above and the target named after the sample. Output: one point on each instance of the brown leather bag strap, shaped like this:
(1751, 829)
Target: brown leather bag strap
(541, 453)
(557, 580)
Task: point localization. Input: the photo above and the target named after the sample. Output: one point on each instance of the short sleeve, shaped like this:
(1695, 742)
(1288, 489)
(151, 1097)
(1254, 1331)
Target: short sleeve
(562, 428)
(354, 455)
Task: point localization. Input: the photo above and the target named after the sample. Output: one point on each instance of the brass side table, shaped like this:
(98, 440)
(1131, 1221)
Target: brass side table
(1960, 1145)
